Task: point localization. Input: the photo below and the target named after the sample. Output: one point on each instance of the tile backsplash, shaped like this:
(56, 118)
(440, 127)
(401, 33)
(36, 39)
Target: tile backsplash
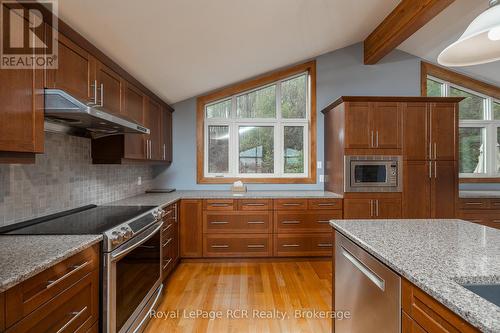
(65, 178)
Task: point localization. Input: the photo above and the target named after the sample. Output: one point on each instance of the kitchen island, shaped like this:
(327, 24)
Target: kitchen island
(438, 257)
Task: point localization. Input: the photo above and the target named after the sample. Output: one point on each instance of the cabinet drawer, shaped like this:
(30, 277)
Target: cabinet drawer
(74, 310)
(218, 204)
(290, 204)
(489, 218)
(29, 295)
(170, 255)
(301, 245)
(249, 222)
(237, 245)
(325, 203)
(304, 221)
(170, 212)
(473, 203)
(169, 229)
(255, 204)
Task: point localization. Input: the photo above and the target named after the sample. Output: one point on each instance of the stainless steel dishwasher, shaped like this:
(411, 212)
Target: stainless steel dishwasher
(365, 287)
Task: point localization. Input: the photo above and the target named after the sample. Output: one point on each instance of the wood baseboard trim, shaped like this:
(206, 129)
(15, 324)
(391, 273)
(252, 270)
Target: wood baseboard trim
(253, 260)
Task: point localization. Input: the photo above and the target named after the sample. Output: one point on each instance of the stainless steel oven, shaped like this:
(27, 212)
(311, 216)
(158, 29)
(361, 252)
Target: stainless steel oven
(132, 281)
(373, 173)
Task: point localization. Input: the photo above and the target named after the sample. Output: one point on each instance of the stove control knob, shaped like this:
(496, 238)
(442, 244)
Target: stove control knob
(116, 238)
(126, 232)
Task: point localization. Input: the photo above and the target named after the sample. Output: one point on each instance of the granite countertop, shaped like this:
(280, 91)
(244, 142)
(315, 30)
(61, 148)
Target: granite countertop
(162, 199)
(437, 255)
(22, 257)
(479, 194)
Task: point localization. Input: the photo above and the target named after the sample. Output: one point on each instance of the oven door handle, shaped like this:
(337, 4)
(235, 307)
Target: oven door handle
(116, 256)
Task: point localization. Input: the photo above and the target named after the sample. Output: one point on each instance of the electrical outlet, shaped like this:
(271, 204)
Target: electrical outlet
(139, 180)
(321, 178)
(320, 165)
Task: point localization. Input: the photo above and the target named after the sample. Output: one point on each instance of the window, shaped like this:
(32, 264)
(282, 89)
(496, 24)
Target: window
(479, 132)
(260, 130)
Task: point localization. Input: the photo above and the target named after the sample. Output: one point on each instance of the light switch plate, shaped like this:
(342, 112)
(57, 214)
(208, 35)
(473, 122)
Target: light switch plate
(139, 180)
(321, 178)
(320, 165)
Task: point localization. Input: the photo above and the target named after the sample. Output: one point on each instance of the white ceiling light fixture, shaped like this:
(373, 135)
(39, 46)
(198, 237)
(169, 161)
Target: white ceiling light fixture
(479, 44)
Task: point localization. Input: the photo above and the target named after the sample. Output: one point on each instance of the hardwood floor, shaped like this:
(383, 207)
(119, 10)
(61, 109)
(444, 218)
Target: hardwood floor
(264, 287)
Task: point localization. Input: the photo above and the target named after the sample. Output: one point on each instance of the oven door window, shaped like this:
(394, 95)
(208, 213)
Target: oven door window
(366, 174)
(136, 274)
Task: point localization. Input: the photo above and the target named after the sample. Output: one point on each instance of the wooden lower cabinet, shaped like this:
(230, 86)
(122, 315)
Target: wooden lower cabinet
(422, 313)
(63, 298)
(247, 228)
(170, 240)
(372, 206)
(191, 228)
(303, 245)
(484, 211)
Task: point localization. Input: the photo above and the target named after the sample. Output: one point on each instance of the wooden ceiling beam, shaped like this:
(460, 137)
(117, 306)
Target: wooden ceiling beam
(408, 17)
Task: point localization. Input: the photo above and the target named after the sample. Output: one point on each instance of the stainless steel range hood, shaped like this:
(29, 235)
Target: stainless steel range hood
(65, 113)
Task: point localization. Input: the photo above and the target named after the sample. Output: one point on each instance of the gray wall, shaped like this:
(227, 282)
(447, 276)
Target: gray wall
(64, 178)
(338, 73)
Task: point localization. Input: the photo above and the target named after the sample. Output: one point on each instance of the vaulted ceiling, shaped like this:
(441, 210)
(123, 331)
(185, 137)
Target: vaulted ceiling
(183, 48)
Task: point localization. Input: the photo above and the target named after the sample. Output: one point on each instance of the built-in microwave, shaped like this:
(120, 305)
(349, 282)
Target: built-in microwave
(373, 173)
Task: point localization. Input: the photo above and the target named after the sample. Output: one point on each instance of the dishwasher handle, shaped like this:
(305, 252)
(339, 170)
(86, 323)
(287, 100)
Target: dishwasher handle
(380, 283)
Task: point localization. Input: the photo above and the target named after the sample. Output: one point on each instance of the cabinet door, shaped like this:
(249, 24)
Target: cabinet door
(75, 73)
(191, 229)
(386, 121)
(109, 85)
(388, 208)
(133, 108)
(359, 133)
(21, 97)
(166, 132)
(443, 131)
(444, 189)
(153, 118)
(417, 190)
(358, 208)
(416, 131)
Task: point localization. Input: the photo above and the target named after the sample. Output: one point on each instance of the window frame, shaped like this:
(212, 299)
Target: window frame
(489, 124)
(279, 124)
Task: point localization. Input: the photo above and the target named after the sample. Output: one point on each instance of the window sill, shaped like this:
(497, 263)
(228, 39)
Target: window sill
(479, 180)
(212, 180)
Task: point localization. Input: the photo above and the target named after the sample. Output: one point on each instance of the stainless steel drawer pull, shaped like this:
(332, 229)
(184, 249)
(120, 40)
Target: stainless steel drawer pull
(168, 212)
(167, 263)
(219, 205)
(74, 316)
(473, 203)
(325, 245)
(254, 204)
(327, 204)
(290, 222)
(323, 221)
(167, 227)
(290, 245)
(168, 241)
(220, 246)
(74, 269)
(219, 222)
(496, 221)
(255, 246)
(364, 269)
(255, 222)
(291, 204)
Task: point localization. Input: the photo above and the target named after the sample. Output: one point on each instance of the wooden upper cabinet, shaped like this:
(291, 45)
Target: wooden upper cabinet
(134, 109)
(373, 125)
(386, 124)
(153, 120)
(358, 129)
(416, 131)
(21, 113)
(109, 89)
(444, 126)
(166, 132)
(75, 73)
